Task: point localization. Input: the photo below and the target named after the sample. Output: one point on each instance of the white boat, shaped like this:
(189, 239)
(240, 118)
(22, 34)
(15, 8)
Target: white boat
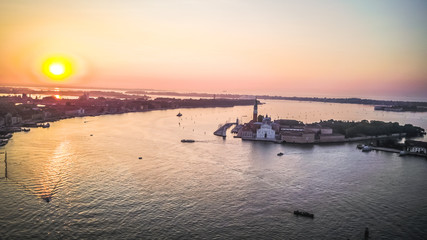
(366, 149)
(403, 153)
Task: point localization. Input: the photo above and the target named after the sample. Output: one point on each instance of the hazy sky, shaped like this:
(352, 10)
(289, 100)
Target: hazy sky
(281, 47)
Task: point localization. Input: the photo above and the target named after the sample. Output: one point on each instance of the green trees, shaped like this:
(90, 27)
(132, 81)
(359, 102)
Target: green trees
(371, 128)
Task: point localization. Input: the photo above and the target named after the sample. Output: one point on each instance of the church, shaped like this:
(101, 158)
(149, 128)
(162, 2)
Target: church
(266, 132)
(262, 131)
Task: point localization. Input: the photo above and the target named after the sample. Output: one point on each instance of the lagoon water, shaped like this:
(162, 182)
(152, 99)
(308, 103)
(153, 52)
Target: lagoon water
(213, 188)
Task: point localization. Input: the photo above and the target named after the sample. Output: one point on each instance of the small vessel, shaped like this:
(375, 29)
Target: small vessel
(179, 114)
(140, 158)
(366, 149)
(46, 125)
(304, 214)
(360, 146)
(280, 154)
(187, 140)
(6, 136)
(26, 129)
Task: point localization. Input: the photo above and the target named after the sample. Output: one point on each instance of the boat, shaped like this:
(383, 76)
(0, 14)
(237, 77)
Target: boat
(179, 114)
(6, 136)
(187, 140)
(366, 149)
(26, 129)
(360, 146)
(46, 198)
(43, 125)
(303, 214)
(280, 154)
(403, 153)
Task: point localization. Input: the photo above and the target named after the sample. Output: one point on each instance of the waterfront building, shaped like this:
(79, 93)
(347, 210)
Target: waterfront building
(297, 136)
(10, 120)
(39, 115)
(331, 137)
(76, 111)
(296, 132)
(16, 120)
(248, 131)
(318, 129)
(416, 147)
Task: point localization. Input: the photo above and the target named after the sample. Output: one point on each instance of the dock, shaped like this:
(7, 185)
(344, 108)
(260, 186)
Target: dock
(392, 150)
(222, 130)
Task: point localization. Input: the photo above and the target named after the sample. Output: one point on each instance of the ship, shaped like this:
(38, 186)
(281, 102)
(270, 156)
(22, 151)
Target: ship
(304, 214)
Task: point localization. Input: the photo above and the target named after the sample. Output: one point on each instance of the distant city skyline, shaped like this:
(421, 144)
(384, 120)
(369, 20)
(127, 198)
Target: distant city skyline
(300, 48)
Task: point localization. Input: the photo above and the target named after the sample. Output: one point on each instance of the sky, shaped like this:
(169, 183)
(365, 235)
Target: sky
(280, 47)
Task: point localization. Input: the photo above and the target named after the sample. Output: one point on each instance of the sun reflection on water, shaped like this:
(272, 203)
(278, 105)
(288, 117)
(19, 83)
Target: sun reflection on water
(53, 172)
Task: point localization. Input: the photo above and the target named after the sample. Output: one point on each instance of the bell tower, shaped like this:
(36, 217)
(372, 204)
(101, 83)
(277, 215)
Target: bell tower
(255, 118)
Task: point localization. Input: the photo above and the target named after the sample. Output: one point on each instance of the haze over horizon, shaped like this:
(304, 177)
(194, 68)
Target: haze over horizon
(290, 47)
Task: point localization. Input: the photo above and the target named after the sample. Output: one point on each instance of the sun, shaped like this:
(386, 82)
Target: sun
(57, 68)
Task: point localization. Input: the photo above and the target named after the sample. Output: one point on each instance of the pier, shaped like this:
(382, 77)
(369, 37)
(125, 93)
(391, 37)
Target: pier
(222, 130)
(392, 150)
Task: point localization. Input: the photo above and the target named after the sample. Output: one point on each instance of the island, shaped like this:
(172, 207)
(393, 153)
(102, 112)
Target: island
(377, 133)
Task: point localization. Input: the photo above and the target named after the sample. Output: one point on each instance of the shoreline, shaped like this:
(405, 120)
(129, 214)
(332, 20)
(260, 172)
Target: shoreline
(5, 130)
(138, 93)
(318, 142)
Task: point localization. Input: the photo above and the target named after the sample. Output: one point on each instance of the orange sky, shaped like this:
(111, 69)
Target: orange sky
(281, 47)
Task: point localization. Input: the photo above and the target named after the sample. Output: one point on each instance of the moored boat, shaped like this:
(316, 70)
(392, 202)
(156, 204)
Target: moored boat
(3, 143)
(187, 140)
(403, 153)
(6, 136)
(366, 149)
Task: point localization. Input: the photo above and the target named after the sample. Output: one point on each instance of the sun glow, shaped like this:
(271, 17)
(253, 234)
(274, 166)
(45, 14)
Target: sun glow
(57, 68)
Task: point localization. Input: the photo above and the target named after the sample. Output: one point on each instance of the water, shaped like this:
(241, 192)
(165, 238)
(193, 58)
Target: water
(213, 188)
